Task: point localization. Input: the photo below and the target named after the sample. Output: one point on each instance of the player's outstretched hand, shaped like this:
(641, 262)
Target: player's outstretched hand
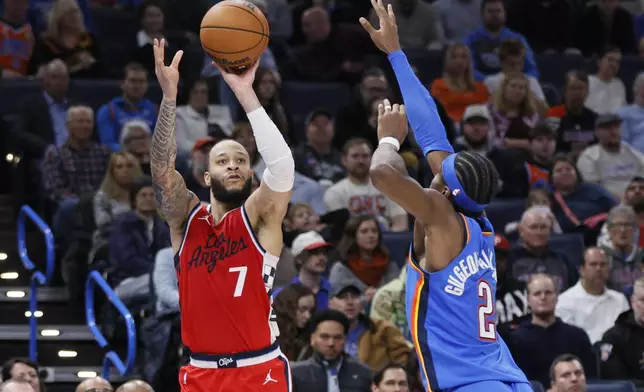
(168, 76)
(386, 37)
(392, 121)
(239, 81)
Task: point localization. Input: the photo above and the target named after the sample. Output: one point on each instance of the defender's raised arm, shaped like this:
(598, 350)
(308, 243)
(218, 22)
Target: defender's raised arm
(173, 197)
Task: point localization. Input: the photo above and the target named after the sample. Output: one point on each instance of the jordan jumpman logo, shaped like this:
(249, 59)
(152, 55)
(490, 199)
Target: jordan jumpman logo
(269, 378)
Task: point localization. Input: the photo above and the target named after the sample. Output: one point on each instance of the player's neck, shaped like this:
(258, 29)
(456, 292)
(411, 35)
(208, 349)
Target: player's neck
(310, 280)
(543, 321)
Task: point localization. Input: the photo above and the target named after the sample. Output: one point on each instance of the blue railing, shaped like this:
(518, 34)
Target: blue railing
(37, 277)
(111, 357)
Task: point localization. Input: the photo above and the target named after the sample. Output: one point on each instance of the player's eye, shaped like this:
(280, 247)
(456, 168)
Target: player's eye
(241, 160)
(222, 162)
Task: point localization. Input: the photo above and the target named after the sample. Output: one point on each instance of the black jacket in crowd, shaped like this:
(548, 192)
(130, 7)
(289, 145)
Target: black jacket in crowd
(622, 349)
(311, 375)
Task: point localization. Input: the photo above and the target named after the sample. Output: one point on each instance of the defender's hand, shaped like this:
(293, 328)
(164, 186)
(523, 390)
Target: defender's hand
(240, 81)
(168, 77)
(392, 121)
(386, 37)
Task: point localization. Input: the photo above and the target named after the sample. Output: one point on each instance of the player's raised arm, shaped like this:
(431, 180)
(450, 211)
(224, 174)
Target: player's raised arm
(420, 107)
(269, 203)
(173, 197)
(388, 172)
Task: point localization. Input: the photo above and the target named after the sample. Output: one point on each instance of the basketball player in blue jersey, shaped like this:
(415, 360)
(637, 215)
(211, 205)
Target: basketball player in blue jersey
(451, 278)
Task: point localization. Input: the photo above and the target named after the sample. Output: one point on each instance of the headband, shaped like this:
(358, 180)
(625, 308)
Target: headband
(455, 187)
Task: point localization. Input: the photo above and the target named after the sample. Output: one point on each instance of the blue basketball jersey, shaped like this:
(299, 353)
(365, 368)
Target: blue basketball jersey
(452, 317)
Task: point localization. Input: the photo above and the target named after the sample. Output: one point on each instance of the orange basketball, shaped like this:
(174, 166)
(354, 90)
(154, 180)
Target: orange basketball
(234, 33)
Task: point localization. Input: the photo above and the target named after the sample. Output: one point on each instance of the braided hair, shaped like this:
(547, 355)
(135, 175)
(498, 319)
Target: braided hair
(477, 175)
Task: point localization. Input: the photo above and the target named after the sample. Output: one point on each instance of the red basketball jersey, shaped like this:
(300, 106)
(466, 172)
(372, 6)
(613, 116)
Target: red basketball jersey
(225, 285)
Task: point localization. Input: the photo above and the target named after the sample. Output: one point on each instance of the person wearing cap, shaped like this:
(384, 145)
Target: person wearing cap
(612, 162)
(195, 181)
(606, 91)
(310, 251)
(330, 369)
(373, 342)
(136, 137)
(316, 157)
(521, 172)
(511, 293)
(476, 129)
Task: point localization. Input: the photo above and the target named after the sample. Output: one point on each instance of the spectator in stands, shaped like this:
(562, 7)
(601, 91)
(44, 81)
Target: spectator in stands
(308, 191)
(75, 168)
(364, 260)
(611, 163)
(17, 37)
(331, 53)
(521, 173)
(112, 200)
(135, 386)
(532, 255)
(164, 280)
(577, 122)
(23, 370)
(329, 364)
(536, 342)
(476, 131)
(623, 344)
(634, 197)
(419, 24)
(15, 386)
(485, 41)
(511, 293)
(198, 119)
(606, 92)
(293, 308)
(458, 18)
(625, 257)
(94, 384)
(589, 304)
(151, 18)
(548, 25)
(136, 138)
(457, 89)
(311, 253)
(302, 218)
(515, 111)
(135, 239)
(358, 195)
(633, 116)
(389, 304)
(392, 377)
(372, 342)
(354, 117)
(132, 105)
(243, 133)
(316, 157)
(512, 58)
(575, 203)
(199, 164)
(68, 39)
(267, 87)
(605, 23)
(537, 197)
(567, 374)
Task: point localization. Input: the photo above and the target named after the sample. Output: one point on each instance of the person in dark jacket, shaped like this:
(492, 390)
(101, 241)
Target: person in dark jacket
(135, 239)
(536, 342)
(329, 362)
(622, 346)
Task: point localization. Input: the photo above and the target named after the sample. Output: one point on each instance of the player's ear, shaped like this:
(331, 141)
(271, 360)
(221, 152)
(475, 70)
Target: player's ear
(206, 177)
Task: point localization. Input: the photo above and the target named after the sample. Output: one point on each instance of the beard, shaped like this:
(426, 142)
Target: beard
(234, 198)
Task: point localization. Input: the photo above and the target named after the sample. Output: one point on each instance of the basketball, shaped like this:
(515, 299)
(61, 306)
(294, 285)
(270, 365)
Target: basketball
(234, 33)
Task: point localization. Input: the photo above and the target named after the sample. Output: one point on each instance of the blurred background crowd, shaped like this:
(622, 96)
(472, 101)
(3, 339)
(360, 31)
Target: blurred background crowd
(551, 91)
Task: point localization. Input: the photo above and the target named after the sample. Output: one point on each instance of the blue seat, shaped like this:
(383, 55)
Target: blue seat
(553, 98)
(13, 92)
(537, 386)
(610, 386)
(398, 245)
(572, 245)
(501, 212)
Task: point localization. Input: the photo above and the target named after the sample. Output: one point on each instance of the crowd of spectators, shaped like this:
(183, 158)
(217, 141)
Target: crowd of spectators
(576, 167)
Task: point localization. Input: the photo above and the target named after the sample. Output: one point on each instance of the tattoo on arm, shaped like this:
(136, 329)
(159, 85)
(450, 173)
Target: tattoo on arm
(170, 191)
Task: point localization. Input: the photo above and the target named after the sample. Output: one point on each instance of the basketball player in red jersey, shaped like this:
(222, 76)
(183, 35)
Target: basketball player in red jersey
(226, 252)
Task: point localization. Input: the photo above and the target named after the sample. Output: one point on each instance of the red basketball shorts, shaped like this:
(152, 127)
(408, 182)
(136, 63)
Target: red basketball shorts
(268, 372)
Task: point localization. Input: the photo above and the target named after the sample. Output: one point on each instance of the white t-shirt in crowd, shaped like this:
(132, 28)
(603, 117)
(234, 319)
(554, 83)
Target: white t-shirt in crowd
(361, 199)
(605, 97)
(612, 171)
(595, 314)
(493, 83)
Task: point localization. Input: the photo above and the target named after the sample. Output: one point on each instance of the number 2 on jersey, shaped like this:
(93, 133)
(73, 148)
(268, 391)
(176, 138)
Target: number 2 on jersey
(487, 327)
(241, 279)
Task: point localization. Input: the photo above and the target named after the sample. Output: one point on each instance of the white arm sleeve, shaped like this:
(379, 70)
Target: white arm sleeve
(280, 166)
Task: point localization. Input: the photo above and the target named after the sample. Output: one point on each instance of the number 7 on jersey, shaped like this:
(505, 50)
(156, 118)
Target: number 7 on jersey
(241, 279)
